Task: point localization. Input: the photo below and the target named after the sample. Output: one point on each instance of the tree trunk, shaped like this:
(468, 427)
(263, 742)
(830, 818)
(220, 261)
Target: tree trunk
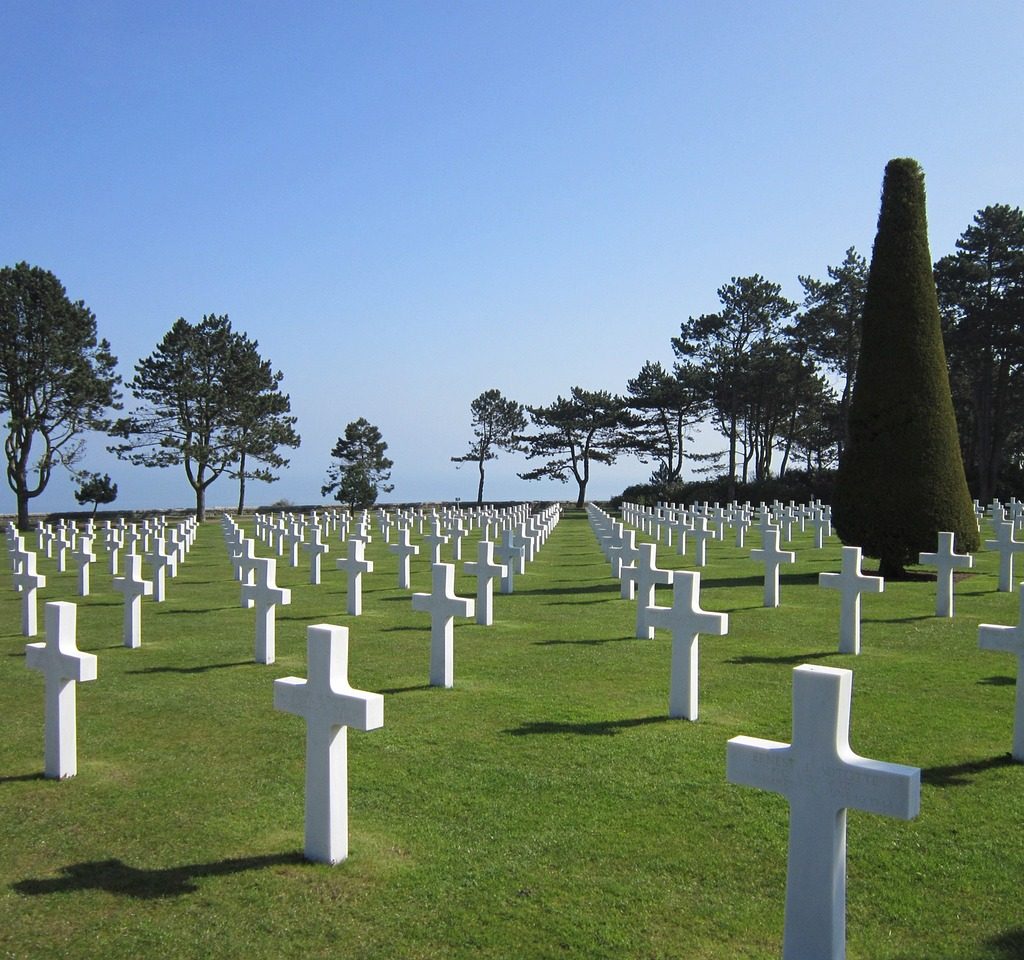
(241, 484)
(200, 503)
(23, 510)
(480, 486)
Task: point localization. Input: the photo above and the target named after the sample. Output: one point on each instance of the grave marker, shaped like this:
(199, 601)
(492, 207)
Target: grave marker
(685, 620)
(134, 588)
(947, 560)
(821, 777)
(329, 705)
(1010, 640)
(443, 606)
(851, 583)
(62, 665)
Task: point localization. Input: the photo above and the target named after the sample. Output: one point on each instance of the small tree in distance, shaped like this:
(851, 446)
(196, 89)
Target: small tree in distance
(496, 422)
(363, 470)
(901, 479)
(96, 488)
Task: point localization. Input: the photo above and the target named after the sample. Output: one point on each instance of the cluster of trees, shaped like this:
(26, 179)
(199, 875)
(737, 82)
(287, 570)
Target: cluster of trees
(772, 377)
(775, 378)
(207, 400)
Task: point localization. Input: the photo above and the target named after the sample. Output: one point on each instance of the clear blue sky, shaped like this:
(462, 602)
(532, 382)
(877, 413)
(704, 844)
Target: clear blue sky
(407, 203)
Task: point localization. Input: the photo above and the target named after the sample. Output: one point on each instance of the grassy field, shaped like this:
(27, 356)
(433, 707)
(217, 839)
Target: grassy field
(544, 807)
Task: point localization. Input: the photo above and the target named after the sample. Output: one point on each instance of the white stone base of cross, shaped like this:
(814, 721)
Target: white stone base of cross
(821, 777)
(329, 706)
(1010, 640)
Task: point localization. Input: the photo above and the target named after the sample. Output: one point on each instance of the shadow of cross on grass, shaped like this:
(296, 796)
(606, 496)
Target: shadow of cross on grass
(597, 728)
(960, 774)
(119, 878)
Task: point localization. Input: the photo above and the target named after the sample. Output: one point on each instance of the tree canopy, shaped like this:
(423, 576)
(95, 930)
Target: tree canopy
(901, 480)
(571, 434)
(208, 402)
(363, 470)
(981, 295)
(496, 423)
(57, 380)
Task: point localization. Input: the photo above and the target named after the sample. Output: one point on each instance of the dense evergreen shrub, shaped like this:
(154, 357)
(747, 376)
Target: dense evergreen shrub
(902, 479)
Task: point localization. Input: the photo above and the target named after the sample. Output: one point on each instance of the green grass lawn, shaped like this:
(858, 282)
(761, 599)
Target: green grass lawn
(544, 807)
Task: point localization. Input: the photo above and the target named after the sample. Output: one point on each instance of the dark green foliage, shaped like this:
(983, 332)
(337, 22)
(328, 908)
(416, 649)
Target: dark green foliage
(363, 469)
(753, 312)
(96, 488)
(666, 405)
(209, 402)
(496, 422)
(56, 378)
(261, 420)
(981, 295)
(831, 320)
(589, 427)
(902, 479)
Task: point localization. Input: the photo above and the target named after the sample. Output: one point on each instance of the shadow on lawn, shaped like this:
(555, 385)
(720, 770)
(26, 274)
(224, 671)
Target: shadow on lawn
(117, 877)
(960, 774)
(611, 586)
(796, 658)
(582, 643)
(598, 728)
(22, 777)
(201, 669)
(998, 682)
(419, 686)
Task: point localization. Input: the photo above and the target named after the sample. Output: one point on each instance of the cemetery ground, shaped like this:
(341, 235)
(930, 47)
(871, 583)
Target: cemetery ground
(545, 806)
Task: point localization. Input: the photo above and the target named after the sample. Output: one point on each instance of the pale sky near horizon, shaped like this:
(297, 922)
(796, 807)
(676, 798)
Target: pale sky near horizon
(408, 203)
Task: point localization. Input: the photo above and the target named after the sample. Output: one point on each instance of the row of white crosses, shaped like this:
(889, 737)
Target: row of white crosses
(444, 606)
(326, 701)
(821, 777)
(132, 585)
(685, 619)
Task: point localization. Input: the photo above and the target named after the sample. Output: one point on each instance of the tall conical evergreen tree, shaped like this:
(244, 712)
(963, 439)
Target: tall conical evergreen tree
(902, 478)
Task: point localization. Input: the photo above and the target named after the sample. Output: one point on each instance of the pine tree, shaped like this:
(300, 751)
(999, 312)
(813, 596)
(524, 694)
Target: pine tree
(902, 477)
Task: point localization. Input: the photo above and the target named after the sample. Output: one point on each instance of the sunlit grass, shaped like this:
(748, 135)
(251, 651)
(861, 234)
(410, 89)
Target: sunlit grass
(543, 807)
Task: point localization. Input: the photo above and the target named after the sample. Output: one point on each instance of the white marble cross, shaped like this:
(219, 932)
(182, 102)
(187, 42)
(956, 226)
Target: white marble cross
(702, 533)
(355, 565)
(771, 556)
(329, 705)
(457, 532)
(851, 583)
(1010, 640)
(28, 582)
(293, 536)
(947, 560)
(134, 588)
(443, 606)
(1007, 547)
(265, 595)
(316, 547)
(646, 576)
(485, 570)
(434, 540)
(509, 553)
(62, 665)
(82, 556)
(404, 549)
(159, 563)
(821, 777)
(685, 620)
